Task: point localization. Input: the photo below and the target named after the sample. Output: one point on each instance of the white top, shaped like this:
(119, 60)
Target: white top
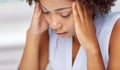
(60, 50)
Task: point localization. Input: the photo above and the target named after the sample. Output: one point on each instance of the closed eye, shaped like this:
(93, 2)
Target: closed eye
(65, 16)
(45, 12)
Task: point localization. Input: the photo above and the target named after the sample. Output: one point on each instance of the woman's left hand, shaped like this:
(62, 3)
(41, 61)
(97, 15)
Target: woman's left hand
(84, 26)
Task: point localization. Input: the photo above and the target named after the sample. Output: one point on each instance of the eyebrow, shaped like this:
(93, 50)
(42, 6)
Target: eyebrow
(63, 8)
(57, 9)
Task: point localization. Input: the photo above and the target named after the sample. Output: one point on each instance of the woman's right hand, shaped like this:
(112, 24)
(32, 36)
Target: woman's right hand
(38, 24)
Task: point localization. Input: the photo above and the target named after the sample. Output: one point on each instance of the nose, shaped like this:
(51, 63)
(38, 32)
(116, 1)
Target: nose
(55, 23)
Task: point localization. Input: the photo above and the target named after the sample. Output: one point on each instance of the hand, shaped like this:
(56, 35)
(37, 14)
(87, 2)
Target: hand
(84, 26)
(38, 24)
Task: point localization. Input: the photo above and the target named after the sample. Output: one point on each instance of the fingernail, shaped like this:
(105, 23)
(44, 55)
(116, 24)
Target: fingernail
(73, 3)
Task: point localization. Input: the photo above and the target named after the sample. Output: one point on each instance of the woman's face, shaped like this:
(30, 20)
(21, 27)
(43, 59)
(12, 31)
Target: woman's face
(58, 14)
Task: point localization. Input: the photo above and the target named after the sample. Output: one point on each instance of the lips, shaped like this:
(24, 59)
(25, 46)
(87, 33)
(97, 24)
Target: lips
(61, 34)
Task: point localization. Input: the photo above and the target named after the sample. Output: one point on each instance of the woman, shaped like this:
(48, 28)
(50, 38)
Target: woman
(72, 35)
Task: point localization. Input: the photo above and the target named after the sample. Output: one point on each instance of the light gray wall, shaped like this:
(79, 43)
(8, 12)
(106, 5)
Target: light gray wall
(15, 17)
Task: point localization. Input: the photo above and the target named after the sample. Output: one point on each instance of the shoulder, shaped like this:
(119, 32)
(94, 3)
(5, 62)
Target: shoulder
(115, 33)
(114, 47)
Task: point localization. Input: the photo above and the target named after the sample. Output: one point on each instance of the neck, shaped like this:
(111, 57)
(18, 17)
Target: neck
(76, 41)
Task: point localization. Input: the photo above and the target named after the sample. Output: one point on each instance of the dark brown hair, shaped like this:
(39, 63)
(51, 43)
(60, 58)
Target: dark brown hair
(102, 6)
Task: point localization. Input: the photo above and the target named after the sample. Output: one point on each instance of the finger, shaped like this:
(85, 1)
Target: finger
(37, 10)
(36, 15)
(87, 15)
(80, 11)
(89, 19)
(37, 7)
(75, 14)
(85, 12)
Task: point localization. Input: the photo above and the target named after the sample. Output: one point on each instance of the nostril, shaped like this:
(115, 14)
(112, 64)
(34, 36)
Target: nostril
(59, 25)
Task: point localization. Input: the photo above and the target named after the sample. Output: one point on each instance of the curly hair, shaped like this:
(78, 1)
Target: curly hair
(102, 6)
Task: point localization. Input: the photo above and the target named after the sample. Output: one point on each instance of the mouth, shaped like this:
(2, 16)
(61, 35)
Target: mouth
(62, 33)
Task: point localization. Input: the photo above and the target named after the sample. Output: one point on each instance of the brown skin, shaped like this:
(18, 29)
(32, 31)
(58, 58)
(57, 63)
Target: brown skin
(114, 48)
(75, 48)
(44, 51)
(55, 18)
(35, 55)
(85, 31)
(35, 42)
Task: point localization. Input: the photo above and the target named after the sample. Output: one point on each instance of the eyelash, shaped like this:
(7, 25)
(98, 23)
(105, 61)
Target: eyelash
(46, 13)
(60, 15)
(66, 15)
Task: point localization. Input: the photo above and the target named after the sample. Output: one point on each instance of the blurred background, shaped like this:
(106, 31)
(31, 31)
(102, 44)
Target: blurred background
(15, 18)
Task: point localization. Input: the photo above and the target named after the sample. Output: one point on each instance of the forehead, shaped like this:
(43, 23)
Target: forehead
(55, 4)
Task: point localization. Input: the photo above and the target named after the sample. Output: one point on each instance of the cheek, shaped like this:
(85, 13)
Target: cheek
(70, 26)
(72, 29)
(70, 22)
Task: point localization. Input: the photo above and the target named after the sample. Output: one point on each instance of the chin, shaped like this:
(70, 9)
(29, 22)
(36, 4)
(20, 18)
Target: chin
(65, 37)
